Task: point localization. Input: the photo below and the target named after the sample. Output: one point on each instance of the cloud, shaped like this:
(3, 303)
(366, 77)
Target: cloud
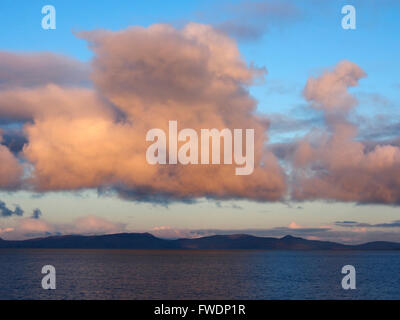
(242, 30)
(73, 137)
(331, 164)
(167, 232)
(355, 224)
(36, 214)
(228, 205)
(250, 20)
(96, 139)
(380, 127)
(6, 212)
(345, 222)
(295, 229)
(288, 124)
(96, 225)
(29, 227)
(10, 170)
(38, 69)
(50, 102)
(5, 230)
(329, 91)
(14, 139)
(294, 225)
(89, 225)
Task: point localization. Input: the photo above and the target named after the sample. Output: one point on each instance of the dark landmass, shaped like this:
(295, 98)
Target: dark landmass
(147, 241)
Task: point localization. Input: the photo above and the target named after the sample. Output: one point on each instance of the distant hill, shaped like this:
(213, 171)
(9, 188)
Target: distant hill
(147, 241)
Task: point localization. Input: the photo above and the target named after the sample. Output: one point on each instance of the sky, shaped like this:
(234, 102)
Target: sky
(76, 102)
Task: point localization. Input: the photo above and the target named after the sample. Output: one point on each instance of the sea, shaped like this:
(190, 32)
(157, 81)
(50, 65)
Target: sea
(215, 275)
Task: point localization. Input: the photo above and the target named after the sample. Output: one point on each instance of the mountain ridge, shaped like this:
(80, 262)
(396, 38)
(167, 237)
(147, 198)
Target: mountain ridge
(146, 241)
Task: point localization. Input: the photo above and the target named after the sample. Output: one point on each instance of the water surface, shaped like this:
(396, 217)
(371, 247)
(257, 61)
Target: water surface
(140, 274)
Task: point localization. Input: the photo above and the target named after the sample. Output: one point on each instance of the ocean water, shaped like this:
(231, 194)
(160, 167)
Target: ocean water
(135, 274)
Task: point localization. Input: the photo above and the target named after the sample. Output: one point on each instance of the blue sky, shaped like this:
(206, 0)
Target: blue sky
(291, 49)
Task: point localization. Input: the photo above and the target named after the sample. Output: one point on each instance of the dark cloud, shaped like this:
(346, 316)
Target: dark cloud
(228, 205)
(283, 150)
(382, 127)
(14, 140)
(352, 224)
(36, 214)
(346, 222)
(146, 195)
(6, 212)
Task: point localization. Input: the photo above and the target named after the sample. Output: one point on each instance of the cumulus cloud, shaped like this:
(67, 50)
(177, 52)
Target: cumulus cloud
(75, 137)
(50, 102)
(144, 77)
(329, 91)
(331, 164)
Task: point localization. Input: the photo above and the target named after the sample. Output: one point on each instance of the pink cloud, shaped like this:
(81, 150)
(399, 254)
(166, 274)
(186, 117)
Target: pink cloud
(26, 228)
(4, 230)
(294, 225)
(195, 76)
(33, 226)
(329, 91)
(332, 164)
(96, 225)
